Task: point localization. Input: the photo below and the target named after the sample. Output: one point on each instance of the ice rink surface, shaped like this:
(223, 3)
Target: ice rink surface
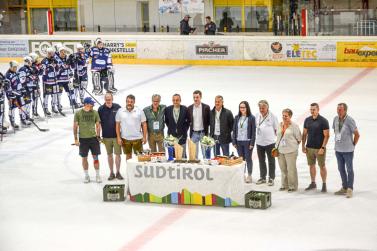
(44, 204)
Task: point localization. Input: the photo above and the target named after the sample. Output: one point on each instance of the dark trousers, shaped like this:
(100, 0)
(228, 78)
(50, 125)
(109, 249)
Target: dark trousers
(224, 148)
(345, 167)
(262, 152)
(245, 152)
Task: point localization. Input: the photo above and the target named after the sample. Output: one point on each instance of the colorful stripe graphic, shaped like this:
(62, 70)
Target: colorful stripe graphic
(185, 197)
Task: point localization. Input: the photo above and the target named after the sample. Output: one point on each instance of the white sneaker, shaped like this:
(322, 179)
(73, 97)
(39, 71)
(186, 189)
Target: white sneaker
(248, 179)
(98, 179)
(86, 179)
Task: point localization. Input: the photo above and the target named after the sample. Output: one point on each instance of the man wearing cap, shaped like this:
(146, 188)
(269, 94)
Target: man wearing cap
(185, 28)
(107, 113)
(86, 132)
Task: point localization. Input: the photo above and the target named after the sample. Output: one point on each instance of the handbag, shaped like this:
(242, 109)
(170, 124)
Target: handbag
(275, 151)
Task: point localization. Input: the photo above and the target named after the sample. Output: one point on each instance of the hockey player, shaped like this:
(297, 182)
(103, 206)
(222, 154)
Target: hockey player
(15, 92)
(35, 90)
(63, 76)
(102, 68)
(26, 78)
(3, 129)
(50, 86)
(79, 63)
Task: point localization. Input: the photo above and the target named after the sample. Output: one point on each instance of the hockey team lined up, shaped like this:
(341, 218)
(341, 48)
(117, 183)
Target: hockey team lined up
(59, 72)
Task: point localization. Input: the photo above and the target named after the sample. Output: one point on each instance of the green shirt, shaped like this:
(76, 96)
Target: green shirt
(87, 123)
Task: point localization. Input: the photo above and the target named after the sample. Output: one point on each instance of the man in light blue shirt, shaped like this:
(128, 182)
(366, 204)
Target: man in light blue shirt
(346, 138)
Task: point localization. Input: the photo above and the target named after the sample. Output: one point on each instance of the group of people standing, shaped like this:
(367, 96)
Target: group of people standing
(59, 72)
(131, 127)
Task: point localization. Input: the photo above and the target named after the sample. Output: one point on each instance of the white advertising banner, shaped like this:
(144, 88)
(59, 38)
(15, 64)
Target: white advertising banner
(162, 179)
(14, 48)
(213, 49)
(180, 6)
(122, 49)
(320, 51)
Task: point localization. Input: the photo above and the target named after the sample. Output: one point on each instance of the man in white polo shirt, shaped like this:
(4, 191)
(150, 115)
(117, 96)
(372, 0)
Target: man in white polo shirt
(267, 125)
(131, 128)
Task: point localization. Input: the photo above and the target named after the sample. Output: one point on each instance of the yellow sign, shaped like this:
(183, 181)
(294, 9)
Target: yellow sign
(356, 51)
(121, 49)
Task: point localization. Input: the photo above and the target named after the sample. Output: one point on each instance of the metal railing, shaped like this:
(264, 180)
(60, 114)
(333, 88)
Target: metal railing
(365, 27)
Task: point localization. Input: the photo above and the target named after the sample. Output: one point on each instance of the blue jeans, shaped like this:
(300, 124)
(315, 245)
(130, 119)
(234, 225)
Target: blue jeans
(245, 152)
(224, 148)
(345, 167)
(196, 137)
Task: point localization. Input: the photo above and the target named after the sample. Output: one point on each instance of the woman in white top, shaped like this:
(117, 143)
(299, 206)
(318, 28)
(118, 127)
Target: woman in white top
(288, 141)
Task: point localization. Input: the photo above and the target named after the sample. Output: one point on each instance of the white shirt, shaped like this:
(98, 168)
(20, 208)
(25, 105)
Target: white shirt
(198, 118)
(266, 129)
(130, 123)
(217, 122)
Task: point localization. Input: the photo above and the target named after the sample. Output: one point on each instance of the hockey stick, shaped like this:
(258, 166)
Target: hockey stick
(44, 112)
(91, 95)
(32, 121)
(2, 120)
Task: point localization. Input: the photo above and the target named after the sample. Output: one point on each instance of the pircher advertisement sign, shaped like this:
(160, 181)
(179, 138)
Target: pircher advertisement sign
(211, 48)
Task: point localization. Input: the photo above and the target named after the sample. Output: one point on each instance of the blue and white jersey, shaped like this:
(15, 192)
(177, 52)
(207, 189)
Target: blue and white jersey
(37, 71)
(101, 58)
(2, 89)
(80, 64)
(15, 86)
(26, 77)
(63, 69)
(50, 70)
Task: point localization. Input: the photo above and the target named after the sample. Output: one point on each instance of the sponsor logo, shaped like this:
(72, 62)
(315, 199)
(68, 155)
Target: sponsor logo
(178, 173)
(40, 46)
(211, 49)
(296, 52)
(363, 52)
(276, 47)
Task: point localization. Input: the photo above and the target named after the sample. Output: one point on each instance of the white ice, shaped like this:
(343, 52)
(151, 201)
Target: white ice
(44, 205)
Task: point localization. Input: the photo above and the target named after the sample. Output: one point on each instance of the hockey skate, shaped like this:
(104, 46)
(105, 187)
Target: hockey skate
(25, 122)
(14, 125)
(47, 112)
(54, 110)
(61, 111)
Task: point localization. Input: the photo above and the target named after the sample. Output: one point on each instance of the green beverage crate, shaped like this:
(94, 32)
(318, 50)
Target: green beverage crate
(258, 200)
(113, 193)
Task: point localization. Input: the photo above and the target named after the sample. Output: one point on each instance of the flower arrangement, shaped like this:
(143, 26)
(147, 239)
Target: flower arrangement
(170, 140)
(207, 141)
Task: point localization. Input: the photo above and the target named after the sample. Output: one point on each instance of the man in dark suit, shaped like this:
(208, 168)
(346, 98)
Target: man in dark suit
(199, 114)
(221, 126)
(177, 121)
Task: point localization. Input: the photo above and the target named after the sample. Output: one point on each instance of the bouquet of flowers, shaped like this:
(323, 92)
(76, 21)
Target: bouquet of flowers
(207, 142)
(170, 140)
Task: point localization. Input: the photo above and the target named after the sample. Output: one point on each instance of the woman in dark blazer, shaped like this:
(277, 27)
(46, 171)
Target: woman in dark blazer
(243, 138)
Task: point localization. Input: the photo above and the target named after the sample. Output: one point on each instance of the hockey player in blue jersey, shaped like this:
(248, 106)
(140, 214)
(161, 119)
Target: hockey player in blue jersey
(50, 86)
(102, 68)
(26, 78)
(14, 93)
(35, 90)
(79, 64)
(3, 84)
(63, 78)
